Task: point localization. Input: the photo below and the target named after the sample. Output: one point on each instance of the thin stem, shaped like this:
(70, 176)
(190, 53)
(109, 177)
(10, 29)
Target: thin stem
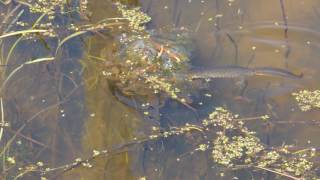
(285, 21)
(279, 173)
(2, 118)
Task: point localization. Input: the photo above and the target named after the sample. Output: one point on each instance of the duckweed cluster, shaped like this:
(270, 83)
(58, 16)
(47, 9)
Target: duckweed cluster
(135, 16)
(236, 147)
(226, 151)
(297, 166)
(223, 118)
(48, 7)
(50, 13)
(270, 158)
(307, 100)
(240, 148)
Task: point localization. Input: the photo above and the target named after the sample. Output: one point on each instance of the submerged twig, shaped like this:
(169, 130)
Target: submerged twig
(15, 44)
(278, 172)
(22, 32)
(188, 128)
(33, 141)
(15, 19)
(234, 43)
(2, 118)
(36, 115)
(285, 21)
(6, 19)
(5, 2)
(20, 67)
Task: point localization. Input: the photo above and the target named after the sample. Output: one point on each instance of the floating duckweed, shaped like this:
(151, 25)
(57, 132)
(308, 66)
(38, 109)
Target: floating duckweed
(160, 84)
(269, 159)
(307, 100)
(202, 147)
(87, 165)
(48, 7)
(43, 178)
(265, 117)
(96, 153)
(223, 118)
(11, 160)
(297, 166)
(135, 17)
(40, 164)
(226, 151)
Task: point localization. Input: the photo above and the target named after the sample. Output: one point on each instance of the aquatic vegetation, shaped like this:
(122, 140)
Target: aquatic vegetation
(136, 18)
(48, 7)
(149, 63)
(307, 100)
(233, 147)
(226, 151)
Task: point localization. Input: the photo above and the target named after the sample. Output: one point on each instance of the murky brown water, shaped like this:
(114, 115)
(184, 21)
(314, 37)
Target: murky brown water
(79, 111)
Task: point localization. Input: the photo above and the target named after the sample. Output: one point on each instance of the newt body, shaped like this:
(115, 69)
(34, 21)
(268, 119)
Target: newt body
(238, 72)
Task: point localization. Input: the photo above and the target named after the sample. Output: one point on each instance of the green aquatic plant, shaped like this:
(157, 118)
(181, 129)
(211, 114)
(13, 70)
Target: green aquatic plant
(307, 100)
(137, 19)
(226, 151)
(145, 62)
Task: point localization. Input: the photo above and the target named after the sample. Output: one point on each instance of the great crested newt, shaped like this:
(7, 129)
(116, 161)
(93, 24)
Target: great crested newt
(238, 72)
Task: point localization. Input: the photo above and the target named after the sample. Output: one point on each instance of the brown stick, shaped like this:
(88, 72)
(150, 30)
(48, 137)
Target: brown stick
(285, 21)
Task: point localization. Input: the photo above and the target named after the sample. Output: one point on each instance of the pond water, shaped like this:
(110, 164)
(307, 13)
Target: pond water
(62, 111)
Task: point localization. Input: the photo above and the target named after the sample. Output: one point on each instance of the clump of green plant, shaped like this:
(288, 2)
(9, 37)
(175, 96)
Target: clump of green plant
(239, 148)
(227, 150)
(236, 147)
(146, 62)
(48, 7)
(307, 100)
(137, 19)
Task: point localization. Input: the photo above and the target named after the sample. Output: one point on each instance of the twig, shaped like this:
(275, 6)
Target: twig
(7, 2)
(34, 116)
(33, 141)
(6, 19)
(235, 48)
(285, 21)
(113, 151)
(14, 20)
(123, 147)
(279, 173)
(2, 87)
(2, 118)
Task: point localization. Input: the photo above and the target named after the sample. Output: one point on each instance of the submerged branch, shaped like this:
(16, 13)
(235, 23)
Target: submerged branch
(285, 21)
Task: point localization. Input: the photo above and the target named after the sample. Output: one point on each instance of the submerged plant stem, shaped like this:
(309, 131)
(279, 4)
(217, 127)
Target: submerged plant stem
(2, 118)
(279, 173)
(285, 21)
